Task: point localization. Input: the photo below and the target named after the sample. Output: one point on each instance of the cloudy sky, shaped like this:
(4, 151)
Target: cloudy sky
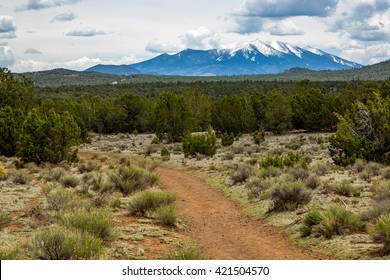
(76, 34)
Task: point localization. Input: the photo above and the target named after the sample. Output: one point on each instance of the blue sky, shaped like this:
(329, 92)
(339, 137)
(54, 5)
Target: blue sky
(76, 34)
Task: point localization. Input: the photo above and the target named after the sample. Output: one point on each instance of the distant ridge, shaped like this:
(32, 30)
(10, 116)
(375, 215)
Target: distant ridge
(114, 69)
(256, 57)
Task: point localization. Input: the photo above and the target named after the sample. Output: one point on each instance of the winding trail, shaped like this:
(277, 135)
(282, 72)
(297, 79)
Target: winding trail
(221, 227)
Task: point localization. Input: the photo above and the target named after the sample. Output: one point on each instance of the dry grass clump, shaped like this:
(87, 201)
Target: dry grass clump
(60, 199)
(5, 219)
(343, 188)
(89, 166)
(312, 182)
(167, 215)
(299, 173)
(268, 172)
(381, 232)
(128, 179)
(385, 173)
(70, 181)
(321, 168)
(58, 243)
(256, 186)
(21, 178)
(97, 222)
(228, 155)
(148, 201)
(382, 202)
(240, 173)
(191, 252)
(54, 174)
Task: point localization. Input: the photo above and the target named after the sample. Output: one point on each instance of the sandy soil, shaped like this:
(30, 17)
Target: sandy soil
(221, 227)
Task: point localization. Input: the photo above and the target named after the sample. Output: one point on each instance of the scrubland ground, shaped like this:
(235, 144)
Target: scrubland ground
(113, 202)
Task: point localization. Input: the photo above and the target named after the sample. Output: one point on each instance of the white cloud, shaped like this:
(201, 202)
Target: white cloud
(285, 28)
(369, 55)
(201, 38)
(44, 4)
(7, 27)
(32, 51)
(6, 56)
(64, 17)
(156, 46)
(87, 32)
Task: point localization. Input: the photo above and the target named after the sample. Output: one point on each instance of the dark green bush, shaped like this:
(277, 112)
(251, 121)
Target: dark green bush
(204, 143)
(227, 139)
(312, 218)
(258, 137)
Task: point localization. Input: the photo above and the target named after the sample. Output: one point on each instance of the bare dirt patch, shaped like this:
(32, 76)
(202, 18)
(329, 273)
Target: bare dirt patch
(220, 225)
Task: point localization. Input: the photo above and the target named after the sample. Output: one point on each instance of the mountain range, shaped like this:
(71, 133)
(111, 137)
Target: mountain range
(256, 57)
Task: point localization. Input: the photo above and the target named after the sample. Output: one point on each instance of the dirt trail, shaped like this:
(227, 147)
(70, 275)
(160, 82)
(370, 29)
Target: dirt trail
(221, 227)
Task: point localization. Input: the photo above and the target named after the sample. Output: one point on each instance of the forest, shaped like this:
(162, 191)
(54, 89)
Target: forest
(31, 115)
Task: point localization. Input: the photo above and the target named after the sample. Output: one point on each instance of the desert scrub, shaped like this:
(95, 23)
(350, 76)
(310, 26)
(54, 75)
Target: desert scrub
(128, 179)
(3, 173)
(58, 243)
(70, 181)
(340, 221)
(240, 173)
(5, 219)
(299, 173)
(312, 182)
(289, 197)
(343, 188)
(190, 252)
(385, 173)
(89, 166)
(167, 215)
(258, 137)
(228, 155)
(256, 186)
(143, 202)
(312, 218)
(97, 222)
(54, 174)
(60, 199)
(320, 168)
(21, 178)
(381, 233)
(268, 172)
(290, 159)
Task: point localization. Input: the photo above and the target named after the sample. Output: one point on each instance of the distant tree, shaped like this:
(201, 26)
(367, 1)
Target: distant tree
(16, 92)
(173, 118)
(234, 114)
(278, 112)
(48, 138)
(363, 132)
(132, 106)
(10, 122)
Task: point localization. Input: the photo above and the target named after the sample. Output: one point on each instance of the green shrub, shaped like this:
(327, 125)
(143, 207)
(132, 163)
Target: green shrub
(258, 136)
(89, 166)
(57, 243)
(97, 222)
(227, 139)
(191, 252)
(70, 181)
(65, 200)
(54, 174)
(204, 144)
(290, 159)
(3, 173)
(289, 197)
(339, 221)
(240, 173)
(149, 200)
(9, 255)
(312, 218)
(312, 182)
(381, 232)
(128, 179)
(167, 215)
(270, 171)
(165, 154)
(5, 219)
(155, 141)
(343, 188)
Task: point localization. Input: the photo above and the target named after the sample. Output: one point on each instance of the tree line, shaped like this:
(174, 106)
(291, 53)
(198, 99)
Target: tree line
(45, 128)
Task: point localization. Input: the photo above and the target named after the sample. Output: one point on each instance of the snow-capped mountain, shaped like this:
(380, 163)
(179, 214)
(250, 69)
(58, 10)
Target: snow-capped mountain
(257, 57)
